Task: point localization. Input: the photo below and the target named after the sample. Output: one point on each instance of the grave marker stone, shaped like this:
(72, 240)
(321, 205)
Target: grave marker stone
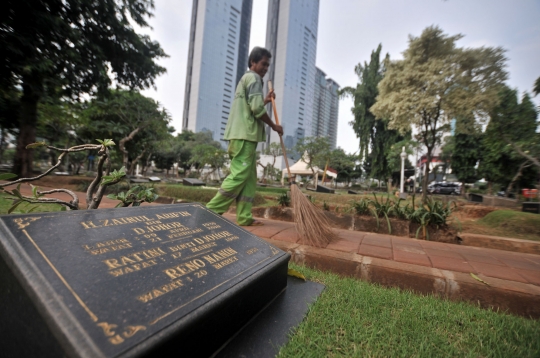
(170, 280)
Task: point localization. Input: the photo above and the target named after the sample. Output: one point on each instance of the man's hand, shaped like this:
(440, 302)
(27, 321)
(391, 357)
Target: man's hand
(269, 97)
(278, 129)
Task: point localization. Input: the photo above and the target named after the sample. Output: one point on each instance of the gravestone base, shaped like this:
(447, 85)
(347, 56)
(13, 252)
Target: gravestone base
(531, 207)
(192, 182)
(169, 280)
(476, 198)
(325, 189)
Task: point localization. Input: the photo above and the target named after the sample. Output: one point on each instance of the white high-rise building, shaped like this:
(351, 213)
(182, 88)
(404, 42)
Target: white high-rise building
(291, 37)
(217, 59)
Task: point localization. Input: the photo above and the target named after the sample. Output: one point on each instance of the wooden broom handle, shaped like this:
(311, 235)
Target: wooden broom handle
(280, 137)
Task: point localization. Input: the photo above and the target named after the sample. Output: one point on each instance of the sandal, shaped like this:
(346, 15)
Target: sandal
(257, 223)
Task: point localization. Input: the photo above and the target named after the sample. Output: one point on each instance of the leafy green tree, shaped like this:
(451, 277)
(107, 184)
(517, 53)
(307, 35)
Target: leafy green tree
(58, 123)
(364, 96)
(66, 48)
(466, 155)
(536, 89)
(512, 125)
(136, 121)
(344, 164)
(376, 139)
(275, 151)
(436, 82)
(315, 151)
(207, 154)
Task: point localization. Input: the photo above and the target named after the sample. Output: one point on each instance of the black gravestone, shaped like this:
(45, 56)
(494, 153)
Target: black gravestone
(324, 189)
(171, 280)
(476, 198)
(531, 207)
(192, 182)
(138, 180)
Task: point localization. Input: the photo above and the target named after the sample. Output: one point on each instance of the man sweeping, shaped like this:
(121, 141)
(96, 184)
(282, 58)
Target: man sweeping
(245, 128)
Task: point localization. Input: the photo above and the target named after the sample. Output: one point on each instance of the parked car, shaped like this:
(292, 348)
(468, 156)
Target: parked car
(445, 188)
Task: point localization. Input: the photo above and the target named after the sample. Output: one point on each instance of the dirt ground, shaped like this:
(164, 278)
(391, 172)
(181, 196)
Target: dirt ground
(60, 181)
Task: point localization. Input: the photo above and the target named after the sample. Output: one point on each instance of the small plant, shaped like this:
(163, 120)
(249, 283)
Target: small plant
(284, 200)
(433, 212)
(134, 196)
(383, 208)
(401, 211)
(361, 207)
(326, 207)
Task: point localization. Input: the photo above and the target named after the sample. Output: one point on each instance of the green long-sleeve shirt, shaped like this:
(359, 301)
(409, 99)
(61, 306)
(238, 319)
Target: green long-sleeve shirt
(247, 108)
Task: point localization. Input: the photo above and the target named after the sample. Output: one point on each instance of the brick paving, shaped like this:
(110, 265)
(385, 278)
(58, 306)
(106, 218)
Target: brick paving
(505, 265)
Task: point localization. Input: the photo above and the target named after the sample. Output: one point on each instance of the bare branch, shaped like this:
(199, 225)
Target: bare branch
(75, 200)
(97, 179)
(32, 200)
(522, 153)
(23, 180)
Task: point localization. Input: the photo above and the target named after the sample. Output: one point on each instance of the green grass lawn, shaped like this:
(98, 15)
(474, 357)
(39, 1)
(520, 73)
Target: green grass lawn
(357, 319)
(5, 204)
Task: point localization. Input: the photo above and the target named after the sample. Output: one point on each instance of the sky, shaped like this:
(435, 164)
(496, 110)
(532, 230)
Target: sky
(349, 30)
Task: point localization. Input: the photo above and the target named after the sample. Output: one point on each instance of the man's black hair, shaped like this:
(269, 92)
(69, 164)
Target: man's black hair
(257, 54)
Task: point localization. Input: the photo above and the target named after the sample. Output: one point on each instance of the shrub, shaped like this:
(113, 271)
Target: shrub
(434, 212)
(361, 207)
(197, 194)
(284, 200)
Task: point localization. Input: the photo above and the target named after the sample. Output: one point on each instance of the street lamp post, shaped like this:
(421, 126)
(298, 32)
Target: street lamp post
(403, 156)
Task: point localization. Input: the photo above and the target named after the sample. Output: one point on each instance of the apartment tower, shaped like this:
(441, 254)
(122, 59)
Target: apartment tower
(217, 59)
(326, 107)
(291, 37)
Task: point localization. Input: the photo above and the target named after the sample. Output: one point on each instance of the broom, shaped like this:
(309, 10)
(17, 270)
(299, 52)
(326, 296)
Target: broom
(312, 225)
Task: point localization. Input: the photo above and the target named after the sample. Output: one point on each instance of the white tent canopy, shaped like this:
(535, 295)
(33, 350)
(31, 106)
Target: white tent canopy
(301, 168)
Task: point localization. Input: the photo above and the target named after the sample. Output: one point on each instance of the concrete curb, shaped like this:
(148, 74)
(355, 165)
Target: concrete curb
(510, 296)
(501, 243)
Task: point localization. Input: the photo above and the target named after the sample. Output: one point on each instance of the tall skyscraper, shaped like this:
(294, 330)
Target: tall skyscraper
(217, 59)
(291, 37)
(325, 110)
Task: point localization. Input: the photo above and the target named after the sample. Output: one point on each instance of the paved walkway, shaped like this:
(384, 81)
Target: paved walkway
(483, 262)
(511, 280)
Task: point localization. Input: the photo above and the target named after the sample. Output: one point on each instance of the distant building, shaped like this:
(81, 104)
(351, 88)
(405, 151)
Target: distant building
(325, 108)
(217, 59)
(291, 37)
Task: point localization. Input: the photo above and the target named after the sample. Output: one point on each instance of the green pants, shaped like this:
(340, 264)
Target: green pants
(240, 184)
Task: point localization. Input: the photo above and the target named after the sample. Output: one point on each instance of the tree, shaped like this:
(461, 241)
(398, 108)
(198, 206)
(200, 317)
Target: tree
(275, 151)
(436, 82)
(517, 124)
(68, 48)
(204, 154)
(466, 155)
(512, 125)
(344, 164)
(536, 89)
(315, 151)
(137, 121)
(376, 139)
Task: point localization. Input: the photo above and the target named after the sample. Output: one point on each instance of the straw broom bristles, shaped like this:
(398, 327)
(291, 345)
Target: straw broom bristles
(312, 225)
